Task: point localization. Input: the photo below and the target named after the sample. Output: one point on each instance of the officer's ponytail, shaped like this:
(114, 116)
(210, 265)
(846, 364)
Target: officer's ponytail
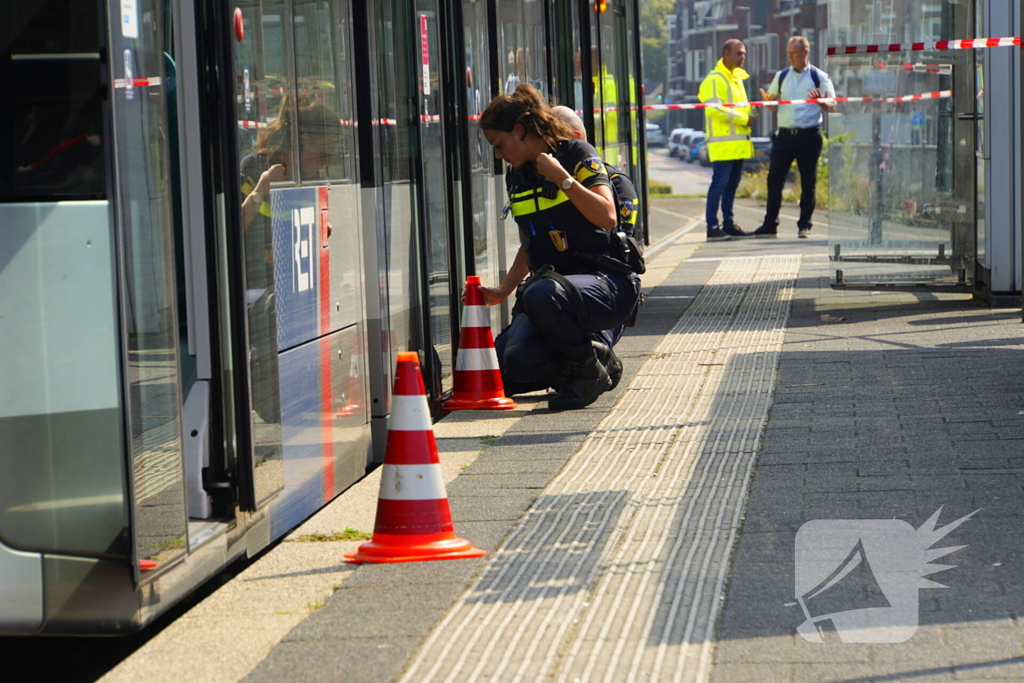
(528, 108)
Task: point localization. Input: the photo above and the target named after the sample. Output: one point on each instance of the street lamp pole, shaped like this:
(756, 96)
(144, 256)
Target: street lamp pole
(750, 51)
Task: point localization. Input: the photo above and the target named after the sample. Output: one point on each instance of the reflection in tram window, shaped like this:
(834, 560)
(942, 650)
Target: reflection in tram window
(264, 111)
(535, 55)
(435, 209)
(481, 165)
(316, 64)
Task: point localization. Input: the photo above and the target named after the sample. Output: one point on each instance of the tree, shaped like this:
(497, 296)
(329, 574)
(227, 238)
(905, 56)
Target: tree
(654, 37)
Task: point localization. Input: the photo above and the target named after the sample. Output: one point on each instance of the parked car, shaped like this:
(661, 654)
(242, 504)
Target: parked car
(693, 144)
(702, 154)
(674, 138)
(655, 138)
(684, 144)
(762, 154)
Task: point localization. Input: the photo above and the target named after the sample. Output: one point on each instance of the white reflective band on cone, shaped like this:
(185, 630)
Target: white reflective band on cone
(475, 316)
(412, 482)
(477, 359)
(410, 414)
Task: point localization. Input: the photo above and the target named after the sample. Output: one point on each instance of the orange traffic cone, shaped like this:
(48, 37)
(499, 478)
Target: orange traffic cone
(355, 401)
(413, 519)
(477, 376)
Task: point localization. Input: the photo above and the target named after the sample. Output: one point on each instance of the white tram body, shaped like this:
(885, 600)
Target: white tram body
(184, 381)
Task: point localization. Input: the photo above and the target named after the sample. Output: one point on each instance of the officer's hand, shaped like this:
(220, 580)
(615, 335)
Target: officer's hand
(492, 295)
(549, 167)
(767, 96)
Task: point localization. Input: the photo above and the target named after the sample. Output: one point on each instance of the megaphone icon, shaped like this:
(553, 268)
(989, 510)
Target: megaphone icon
(850, 586)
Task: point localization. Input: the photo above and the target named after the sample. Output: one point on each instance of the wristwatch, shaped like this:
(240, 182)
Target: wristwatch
(567, 183)
(257, 197)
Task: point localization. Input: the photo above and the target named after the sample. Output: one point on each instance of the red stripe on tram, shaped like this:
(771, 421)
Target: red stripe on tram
(326, 375)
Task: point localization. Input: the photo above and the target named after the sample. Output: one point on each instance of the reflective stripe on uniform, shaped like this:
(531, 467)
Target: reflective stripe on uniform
(727, 138)
(534, 202)
(247, 187)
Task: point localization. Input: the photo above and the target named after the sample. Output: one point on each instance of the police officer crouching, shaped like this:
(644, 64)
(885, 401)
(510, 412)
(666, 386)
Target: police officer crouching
(572, 283)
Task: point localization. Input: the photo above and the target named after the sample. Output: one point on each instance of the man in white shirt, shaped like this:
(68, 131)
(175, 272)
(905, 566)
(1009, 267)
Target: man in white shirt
(798, 137)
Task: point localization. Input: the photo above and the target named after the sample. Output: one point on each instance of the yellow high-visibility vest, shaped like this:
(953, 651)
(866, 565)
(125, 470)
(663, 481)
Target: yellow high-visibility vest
(607, 99)
(727, 128)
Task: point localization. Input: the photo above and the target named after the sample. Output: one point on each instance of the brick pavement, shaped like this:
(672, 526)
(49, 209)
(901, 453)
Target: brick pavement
(909, 403)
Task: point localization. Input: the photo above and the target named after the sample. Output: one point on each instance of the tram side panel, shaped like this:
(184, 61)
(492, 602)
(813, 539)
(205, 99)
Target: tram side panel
(61, 464)
(324, 430)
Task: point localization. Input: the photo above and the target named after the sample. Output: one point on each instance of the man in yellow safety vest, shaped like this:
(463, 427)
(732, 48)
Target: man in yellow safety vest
(728, 137)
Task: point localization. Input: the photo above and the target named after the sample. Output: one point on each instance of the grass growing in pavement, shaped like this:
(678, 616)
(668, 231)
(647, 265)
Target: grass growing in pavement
(349, 534)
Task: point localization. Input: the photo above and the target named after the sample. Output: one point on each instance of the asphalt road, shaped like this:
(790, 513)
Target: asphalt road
(685, 178)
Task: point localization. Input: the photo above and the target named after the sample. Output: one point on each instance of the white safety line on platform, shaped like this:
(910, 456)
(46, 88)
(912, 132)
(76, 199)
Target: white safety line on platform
(719, 259)
(669, 240)
(615, 572)
(933, 46)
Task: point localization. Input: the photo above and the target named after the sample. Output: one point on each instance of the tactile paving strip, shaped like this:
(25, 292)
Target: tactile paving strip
(615, 573)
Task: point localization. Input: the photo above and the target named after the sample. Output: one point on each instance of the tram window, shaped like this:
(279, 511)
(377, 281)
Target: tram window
(514, 69)
(51, 121)
(535, 54)
(261, 75)
(322, 149)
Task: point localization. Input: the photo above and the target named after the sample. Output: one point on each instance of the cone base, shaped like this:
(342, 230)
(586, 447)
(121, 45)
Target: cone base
(495, 403)
(414, 548)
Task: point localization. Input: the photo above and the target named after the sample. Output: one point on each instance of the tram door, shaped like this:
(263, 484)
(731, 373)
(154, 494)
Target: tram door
(623, 117)
(299, 207)
(434, 184)
(414, 263)
(150, 352)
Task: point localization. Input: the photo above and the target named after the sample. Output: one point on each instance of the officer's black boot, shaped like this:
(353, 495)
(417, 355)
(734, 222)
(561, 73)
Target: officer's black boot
(587, 380)
(606, 356)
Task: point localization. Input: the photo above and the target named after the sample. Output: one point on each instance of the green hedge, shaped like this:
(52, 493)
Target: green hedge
(654, 187)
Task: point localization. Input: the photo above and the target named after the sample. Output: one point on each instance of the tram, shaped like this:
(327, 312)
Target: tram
(219, 223)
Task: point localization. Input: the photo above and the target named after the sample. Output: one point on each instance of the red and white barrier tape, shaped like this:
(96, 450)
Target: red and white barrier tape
(966, 44)
(138, 82)
(942, 94)
(261, 124)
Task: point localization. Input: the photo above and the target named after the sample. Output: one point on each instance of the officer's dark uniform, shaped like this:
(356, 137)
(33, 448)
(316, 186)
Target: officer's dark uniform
(536, 350)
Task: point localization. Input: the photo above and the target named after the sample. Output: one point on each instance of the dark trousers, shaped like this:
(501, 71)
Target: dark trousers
(725, 178)
(536, 349)
(805, 148)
